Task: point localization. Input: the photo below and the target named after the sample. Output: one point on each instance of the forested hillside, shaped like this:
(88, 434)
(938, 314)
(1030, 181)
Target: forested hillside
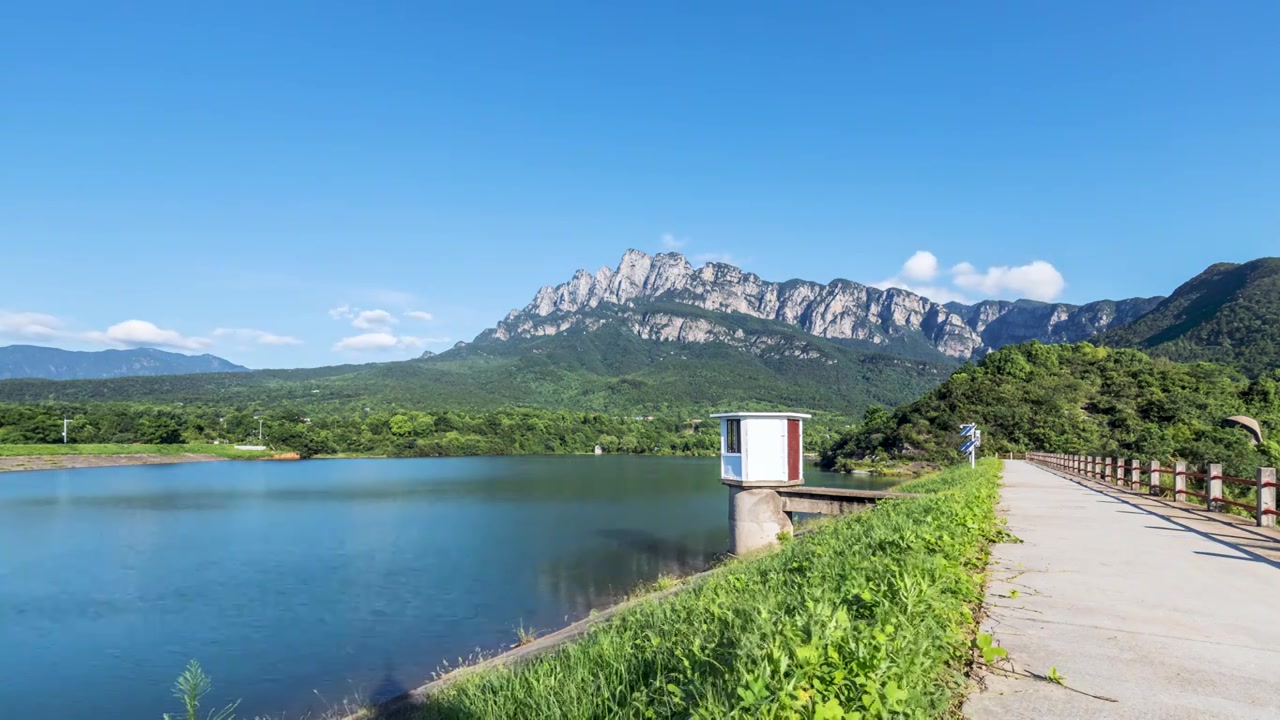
(1229, 314)
(353, 429)
(756, 364)
(1079, 399)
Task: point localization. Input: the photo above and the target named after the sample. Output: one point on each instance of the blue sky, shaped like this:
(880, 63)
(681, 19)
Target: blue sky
(273, 170)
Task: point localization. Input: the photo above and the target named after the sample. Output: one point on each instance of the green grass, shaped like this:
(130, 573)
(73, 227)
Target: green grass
(870, 615)
(226, 451)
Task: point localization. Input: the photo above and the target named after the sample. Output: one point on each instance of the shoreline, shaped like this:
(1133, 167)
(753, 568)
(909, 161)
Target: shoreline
(79, 461)
(662, 633)
(32, 463)
(404, 705)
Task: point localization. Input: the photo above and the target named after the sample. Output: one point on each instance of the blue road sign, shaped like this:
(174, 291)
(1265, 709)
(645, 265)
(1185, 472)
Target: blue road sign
(967, 430)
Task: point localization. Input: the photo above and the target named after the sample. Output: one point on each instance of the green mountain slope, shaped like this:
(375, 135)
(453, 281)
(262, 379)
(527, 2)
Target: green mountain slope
(1080, 399)
(609, 369)
(1229, 313)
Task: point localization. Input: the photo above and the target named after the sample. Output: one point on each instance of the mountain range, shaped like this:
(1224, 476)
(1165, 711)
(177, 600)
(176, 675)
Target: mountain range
(891, 320)
(655, 334)
(32, 361)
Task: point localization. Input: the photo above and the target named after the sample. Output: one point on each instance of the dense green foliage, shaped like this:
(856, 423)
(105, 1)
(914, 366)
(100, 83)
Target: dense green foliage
(1080, 399)
(359, 430)
(356, 431)
(869, 613)
(608, 370)
(1228, 314)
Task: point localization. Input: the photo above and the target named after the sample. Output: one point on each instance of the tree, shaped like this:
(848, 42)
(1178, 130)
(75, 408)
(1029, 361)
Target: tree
(401, 426)
(160, 429)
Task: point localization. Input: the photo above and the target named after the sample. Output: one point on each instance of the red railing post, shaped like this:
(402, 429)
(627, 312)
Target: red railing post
(1135, 475)
(1213, 485)
(1266, 497)
(1106, 469)
(1180, 482)
(1154, 472)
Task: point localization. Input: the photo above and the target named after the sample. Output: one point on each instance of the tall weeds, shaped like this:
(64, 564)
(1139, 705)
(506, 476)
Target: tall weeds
(866, 617)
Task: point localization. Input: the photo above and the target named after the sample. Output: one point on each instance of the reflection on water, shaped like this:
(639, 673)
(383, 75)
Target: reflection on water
(600, 575)
(292, 581)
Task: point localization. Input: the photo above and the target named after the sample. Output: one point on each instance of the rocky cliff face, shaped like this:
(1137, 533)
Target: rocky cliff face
(841, 310)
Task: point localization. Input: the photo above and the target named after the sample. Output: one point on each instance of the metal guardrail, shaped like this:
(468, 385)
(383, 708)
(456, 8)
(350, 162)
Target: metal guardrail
(1208, 485)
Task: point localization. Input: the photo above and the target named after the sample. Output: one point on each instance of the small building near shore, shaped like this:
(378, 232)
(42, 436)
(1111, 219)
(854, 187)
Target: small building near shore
(762, 448)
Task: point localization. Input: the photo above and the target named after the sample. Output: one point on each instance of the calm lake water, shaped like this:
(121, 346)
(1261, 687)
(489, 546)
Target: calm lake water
(297, 584)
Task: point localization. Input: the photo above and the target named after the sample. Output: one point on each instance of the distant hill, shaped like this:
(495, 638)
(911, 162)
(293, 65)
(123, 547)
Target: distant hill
(1080, 399)
(621, 365)
(1229, 313)
(31, 361)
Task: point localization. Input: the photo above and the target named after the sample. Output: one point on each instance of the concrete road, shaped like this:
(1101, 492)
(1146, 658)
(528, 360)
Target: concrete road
(1147, 608)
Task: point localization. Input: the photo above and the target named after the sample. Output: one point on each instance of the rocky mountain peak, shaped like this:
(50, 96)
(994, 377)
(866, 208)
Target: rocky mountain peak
(841, 310)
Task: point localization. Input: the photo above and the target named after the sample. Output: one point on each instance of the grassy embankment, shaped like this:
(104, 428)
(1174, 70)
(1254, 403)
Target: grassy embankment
(868, 616)
(224, 451)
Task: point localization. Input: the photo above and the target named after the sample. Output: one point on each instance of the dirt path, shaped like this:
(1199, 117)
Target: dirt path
(65, 462)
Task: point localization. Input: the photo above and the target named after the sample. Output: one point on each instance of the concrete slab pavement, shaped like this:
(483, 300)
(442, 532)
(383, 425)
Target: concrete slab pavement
(1147, 608)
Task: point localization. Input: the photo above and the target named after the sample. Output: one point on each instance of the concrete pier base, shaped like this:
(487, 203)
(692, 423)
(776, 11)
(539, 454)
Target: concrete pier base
(756, 516)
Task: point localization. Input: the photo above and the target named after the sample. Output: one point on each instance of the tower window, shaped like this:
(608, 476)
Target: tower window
(733, 437)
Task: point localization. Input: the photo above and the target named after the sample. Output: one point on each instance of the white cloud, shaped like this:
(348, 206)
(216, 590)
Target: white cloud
(140, 333)
(1037, 280)
(923, 265)
(261, 337)
(671, 243)
(30, 325)
(384, 341)
(342, 312)
(374, 320)
(420, 315)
